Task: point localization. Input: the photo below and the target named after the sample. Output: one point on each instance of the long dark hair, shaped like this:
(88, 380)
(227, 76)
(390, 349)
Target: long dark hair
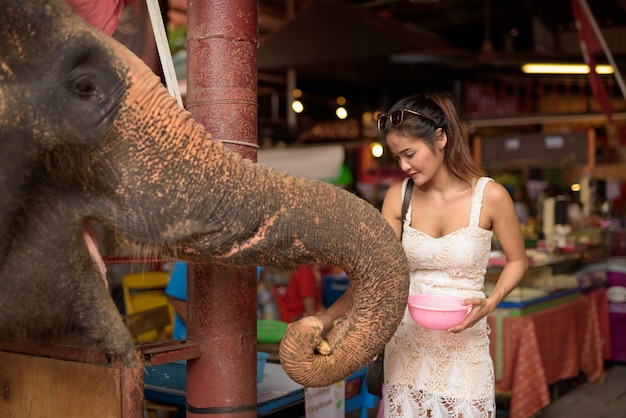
(440, 108)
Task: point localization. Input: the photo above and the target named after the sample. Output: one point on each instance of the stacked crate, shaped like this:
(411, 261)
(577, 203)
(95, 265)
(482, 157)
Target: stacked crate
(616, 280)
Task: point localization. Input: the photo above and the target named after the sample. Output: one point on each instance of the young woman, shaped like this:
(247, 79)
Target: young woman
(454, 211)
(446, 235)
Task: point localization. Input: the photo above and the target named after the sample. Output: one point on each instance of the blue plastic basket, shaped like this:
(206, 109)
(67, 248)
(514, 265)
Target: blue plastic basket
(169, 375)
(174, 375)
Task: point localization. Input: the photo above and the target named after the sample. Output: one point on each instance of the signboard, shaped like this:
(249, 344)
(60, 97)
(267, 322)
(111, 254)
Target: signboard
(534, 150)
(325, 402)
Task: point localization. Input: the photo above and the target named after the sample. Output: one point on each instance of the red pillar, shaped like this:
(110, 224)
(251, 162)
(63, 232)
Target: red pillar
(222, 96)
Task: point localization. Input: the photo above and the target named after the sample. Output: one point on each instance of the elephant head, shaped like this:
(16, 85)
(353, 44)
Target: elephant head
(88, 133)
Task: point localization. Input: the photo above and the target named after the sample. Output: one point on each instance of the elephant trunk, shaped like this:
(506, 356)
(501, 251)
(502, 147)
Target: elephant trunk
(313, 222)
(209, 204)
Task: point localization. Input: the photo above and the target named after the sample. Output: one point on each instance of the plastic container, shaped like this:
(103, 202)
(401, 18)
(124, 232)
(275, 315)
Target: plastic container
(270, 330)
(437, 312)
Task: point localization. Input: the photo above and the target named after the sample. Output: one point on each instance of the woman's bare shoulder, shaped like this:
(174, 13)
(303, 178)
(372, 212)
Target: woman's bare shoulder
(496, 192)
(393, 201)
(396, 187)
(497, 201)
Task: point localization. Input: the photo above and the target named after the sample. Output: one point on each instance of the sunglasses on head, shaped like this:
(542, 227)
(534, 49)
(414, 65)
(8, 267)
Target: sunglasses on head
(396, 117)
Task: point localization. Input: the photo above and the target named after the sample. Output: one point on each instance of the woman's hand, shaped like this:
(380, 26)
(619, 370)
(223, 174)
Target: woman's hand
(481, 307)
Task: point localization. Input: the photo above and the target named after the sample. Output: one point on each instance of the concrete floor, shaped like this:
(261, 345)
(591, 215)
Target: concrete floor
(606, 399)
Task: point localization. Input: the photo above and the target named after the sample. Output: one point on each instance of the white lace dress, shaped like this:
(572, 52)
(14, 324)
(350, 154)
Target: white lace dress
(436, 373)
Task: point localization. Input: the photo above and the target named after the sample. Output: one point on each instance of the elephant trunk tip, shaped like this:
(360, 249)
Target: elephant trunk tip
(310, 360)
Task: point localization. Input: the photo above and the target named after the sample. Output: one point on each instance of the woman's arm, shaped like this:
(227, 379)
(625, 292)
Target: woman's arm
(506, 226)
(499, 209)
(336, 310)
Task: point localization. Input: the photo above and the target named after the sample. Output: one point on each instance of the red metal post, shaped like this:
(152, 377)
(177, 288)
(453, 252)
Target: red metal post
(222, 95)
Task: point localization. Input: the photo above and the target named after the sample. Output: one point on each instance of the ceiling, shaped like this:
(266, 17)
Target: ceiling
(374, 51)
(463, 22)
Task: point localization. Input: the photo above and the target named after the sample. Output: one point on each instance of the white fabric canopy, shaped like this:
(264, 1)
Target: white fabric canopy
(319, 162)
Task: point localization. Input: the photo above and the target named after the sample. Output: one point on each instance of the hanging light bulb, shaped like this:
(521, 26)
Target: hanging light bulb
(297, 106)
(377, 149)
(341, 112)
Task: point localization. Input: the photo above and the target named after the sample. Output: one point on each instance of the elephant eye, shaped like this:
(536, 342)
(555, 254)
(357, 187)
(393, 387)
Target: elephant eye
(84, 86)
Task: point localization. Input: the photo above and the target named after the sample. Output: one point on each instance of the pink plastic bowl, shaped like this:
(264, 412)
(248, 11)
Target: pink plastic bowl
(437, 311)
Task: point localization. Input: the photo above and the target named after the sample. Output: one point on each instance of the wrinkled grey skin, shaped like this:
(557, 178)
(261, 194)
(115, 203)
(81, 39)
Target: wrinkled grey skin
(87, 132)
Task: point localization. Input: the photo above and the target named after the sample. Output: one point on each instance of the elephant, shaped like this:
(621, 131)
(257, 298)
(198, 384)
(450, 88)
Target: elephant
(89, 133)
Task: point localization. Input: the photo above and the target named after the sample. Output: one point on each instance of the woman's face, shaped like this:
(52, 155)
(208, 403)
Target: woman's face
(415, 157)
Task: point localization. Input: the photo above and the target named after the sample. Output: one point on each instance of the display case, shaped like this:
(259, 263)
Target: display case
(550, 280)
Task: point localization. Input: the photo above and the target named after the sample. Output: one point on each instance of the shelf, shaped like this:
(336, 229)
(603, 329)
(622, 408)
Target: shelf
(534, 305)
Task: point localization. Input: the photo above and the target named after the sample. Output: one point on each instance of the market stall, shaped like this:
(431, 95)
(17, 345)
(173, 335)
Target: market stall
(535, 350)
(552, 327)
